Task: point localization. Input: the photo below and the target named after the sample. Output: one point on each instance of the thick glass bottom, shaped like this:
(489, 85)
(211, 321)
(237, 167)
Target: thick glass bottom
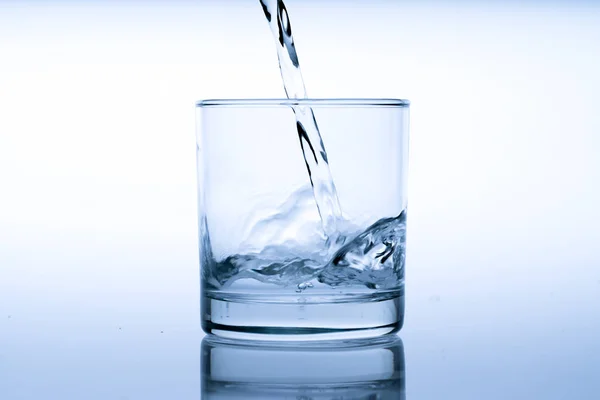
(260, 317)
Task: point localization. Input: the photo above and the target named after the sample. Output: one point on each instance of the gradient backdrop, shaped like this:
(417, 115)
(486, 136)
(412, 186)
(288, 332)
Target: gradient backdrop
(98, 246)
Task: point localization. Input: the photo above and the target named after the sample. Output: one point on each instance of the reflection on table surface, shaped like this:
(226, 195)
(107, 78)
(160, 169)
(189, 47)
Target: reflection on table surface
(362, 369)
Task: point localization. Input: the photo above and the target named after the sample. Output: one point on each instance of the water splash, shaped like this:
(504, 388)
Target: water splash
(372, 257)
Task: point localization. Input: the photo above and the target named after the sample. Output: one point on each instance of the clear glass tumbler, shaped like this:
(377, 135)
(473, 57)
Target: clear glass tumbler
(302, 235)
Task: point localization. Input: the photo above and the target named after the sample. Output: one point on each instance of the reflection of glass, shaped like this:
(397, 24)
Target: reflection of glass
(352, 370)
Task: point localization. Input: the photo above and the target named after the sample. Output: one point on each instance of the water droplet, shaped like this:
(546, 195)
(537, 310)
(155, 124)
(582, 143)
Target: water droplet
(303, 286)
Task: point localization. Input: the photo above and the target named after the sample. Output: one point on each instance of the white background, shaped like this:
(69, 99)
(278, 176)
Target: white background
(98, 197)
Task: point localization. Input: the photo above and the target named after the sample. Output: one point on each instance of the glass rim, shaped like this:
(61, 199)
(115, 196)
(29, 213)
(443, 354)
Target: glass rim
(311, 102)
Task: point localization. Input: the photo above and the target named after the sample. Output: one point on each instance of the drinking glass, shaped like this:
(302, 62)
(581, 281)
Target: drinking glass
(274, 264)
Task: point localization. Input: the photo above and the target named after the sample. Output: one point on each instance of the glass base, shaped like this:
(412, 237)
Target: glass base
(259, 317)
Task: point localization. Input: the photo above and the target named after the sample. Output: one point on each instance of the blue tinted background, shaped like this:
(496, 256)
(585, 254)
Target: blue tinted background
(98, 245)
